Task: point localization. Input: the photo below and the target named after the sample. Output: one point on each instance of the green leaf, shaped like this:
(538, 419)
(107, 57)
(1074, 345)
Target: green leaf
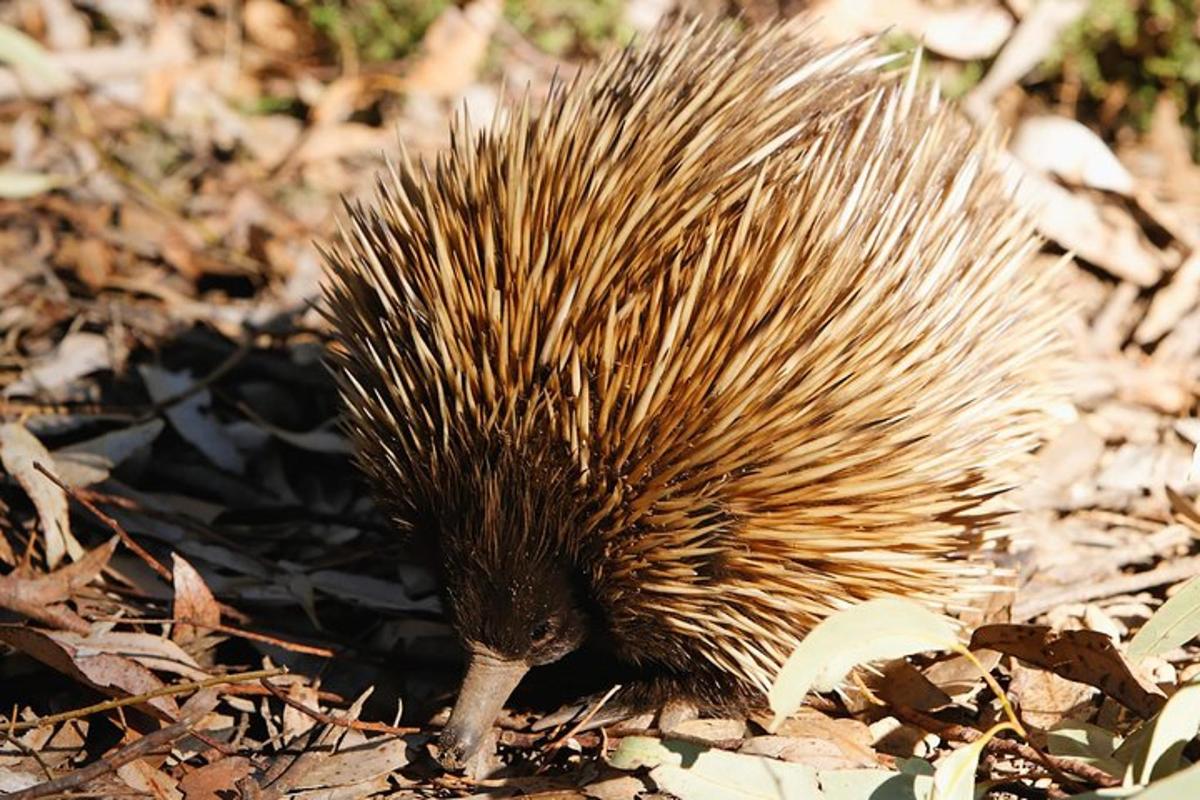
(1177, 622)
(954, 778)
(1185, 783)
(1085, 742)
(27, 55)
(877, 784)
(693, 772)
(875, 630)
(1160, 752)
(17, 185)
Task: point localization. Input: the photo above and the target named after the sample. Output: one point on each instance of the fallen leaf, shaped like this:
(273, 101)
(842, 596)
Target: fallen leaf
(193, 601)
(191, 416)
(91, 461)
(872, 631)
(453, 49)
(77, 355)
(1069, 150)
(37, 596)
(20, 450)
(1085, 656)
(692, 772)
(109, 673)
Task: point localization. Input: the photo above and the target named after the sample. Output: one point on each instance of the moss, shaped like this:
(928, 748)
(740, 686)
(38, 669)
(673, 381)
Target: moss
(381, 30)
(1123, 55)
(569, 27)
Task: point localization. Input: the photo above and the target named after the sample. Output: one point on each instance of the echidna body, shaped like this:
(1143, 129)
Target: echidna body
(734, 333)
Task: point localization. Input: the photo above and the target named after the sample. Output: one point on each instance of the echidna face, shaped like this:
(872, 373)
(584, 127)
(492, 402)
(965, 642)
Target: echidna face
(518, 607)
(516, 600)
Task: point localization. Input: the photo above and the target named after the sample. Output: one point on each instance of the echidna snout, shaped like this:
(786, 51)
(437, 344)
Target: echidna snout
(515, 605)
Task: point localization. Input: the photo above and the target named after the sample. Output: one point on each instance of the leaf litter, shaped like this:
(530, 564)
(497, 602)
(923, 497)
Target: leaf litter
(191, 564)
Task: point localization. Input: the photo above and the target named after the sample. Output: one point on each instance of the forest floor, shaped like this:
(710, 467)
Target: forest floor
(196, 555)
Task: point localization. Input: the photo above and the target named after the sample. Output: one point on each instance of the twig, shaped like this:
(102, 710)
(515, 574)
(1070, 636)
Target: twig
(179, 688)
(353, 724)
(1170, 572)
(1063, 767)
(113, 525)
(131, 752)
(295, 647)
(578, 726)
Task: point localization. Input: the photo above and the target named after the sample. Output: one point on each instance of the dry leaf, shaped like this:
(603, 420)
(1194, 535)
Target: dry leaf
(453, 49)
(193, 601)
(1085, 656)
(20, 450)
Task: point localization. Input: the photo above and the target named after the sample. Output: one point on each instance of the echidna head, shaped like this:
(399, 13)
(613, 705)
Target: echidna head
(515, 595)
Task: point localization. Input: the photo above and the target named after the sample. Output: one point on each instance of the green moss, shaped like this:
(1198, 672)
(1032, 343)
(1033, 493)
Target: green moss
(1125, 54)
(381, 30)
(569, 27)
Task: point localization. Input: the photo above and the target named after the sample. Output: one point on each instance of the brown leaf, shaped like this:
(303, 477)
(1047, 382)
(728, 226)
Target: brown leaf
(1045, 698)
(19, 451)
(37, 596)
(453, 49)
(112, 675)
(212, 782)
(194, 601)
(1084, 656)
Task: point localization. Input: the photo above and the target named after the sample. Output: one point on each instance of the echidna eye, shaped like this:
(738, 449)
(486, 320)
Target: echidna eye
(539, 631)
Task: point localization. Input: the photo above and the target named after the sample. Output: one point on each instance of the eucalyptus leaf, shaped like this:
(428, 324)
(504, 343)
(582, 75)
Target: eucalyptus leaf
(693, 772)
(1159, 753)
(1175, 623)
(878, 629)
(28, 56)
(17, 184)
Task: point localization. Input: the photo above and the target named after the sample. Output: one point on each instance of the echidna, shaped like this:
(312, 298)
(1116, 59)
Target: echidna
(735, 332)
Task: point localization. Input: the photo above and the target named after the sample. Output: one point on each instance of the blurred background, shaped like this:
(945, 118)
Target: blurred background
(167, 168)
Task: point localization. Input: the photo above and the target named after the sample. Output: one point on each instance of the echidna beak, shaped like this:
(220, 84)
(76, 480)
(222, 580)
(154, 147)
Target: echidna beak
(488, 683)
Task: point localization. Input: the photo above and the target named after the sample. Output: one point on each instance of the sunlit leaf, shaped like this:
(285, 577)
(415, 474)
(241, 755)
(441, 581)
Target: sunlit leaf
(17, 184)
(1156, 754)
(26, 54)
(692, 772)
(1176, 623)
(875, 630)
(877, 784)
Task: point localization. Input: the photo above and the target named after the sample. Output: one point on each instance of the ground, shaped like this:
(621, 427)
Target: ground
(199, 599)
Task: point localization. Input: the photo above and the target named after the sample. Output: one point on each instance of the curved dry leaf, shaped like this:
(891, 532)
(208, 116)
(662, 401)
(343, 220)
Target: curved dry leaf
(1066, 148)
(88, 462)
(20, 450)
(38, 596)
(153, 652)
(193, 601)
(1109, 238)
(110, 674)
(1085, 656)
